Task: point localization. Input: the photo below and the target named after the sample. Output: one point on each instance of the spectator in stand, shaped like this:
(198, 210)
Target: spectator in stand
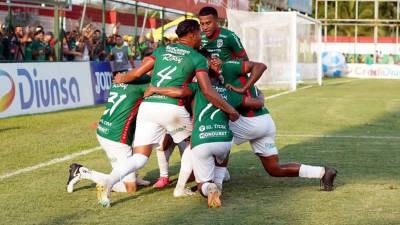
(39, 46)
(50, 42)
(121, 56)
(28, 37)
(17, 45)
(68, 51)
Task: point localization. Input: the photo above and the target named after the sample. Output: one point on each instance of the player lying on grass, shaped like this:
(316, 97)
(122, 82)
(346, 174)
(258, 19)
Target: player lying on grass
(115, 133)
(173, 66)
(257, 127)
(211, 138)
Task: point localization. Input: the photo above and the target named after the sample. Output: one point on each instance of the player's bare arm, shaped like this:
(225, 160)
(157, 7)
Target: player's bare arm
(136, 73)
(256, 70)
(173, 92)
(212, 96)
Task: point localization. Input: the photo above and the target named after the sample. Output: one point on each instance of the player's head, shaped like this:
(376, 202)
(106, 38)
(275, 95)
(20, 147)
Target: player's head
(208, 17)
(119, 40)
(188, 31)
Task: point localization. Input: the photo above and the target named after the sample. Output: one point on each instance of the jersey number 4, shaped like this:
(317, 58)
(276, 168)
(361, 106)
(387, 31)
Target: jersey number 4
(115, 100)
(165, 74)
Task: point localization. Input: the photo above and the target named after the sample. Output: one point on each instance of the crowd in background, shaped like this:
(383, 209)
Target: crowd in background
(35, 44)
(369, 59)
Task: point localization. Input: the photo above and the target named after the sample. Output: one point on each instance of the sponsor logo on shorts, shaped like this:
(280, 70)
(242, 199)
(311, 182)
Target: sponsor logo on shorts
(177, 130)
(270, 146)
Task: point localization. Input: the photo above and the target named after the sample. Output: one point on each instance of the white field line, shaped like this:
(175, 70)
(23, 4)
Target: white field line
(88, 151)
(372, 137)
(286, 92)
(48, 163)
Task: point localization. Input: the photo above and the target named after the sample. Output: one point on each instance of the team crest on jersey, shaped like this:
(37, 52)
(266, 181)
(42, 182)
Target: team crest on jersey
(220, 42)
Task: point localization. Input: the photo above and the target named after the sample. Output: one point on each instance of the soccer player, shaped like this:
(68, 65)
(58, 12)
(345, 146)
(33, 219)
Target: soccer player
(211, 138)
(257, 127)
(172, 65)
(115, 134)
(221, 43)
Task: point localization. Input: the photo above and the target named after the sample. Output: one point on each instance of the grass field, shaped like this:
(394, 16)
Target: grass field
(353, 125)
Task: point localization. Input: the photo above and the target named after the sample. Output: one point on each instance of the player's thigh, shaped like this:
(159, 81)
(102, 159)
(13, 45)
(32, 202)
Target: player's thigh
(264, 146)
(203, 159)
(115, 151)
(249, 128)
(148, 130)
(177, 122)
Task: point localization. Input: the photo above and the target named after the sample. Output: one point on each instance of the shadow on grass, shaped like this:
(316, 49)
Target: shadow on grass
(4, 129)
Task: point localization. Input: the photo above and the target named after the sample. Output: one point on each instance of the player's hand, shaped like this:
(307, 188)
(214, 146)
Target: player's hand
(119, 78)
(233, 116)
(240, 90)
(215, 62)
(149, 92)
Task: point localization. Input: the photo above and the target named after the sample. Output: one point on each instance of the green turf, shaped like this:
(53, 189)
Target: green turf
(367, 191)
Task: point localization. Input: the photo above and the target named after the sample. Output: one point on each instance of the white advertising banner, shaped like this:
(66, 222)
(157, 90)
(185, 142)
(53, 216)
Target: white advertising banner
(374, 71)
(27, 88)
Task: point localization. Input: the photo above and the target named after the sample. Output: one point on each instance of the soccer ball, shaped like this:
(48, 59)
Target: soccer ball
(333, 64)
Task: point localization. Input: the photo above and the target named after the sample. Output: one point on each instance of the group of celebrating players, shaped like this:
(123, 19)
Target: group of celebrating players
(200, 97)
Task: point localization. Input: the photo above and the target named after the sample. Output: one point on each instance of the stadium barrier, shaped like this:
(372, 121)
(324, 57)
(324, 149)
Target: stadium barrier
(374, 71)
(29, 88)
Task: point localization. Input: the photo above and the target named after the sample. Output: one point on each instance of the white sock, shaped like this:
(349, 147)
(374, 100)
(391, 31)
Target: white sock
(92, 175)
(129, 165)
(311, 171)
(119, 187)
(186, 169)
(219, 174)
(204, 189)
(163, 160)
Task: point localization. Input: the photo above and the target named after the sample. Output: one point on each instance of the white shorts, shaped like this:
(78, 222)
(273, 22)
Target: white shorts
(117, 152)
(154, 120)
(259, 131)
(203, 159)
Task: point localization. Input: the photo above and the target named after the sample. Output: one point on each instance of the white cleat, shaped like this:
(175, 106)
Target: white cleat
(183, 192)
(103, 196)
(74, 176)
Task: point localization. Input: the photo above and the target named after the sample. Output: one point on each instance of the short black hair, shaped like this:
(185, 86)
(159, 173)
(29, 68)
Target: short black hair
(205, 53)
(187, 26)
(208, 10)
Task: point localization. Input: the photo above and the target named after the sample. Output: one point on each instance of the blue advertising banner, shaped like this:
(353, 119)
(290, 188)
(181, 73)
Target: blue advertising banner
(101, 75)
(28, 88)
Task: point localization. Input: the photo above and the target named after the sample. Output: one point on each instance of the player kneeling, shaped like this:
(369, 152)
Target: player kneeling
(211, 138)
(115, 135)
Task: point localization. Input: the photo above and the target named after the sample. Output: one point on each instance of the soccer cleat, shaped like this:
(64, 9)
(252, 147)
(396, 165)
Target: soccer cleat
(183, 192)
(328, 178)
(141, 182)
(213, 196)
(161, 183)
(103, 196)
(227, 176)
(74, 176)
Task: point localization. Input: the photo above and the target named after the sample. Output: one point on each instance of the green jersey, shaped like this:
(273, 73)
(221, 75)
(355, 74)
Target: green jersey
(119, 119)
(224, 44)
(39, 47)
(233, 73)
(175, 66)
(210, 123)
